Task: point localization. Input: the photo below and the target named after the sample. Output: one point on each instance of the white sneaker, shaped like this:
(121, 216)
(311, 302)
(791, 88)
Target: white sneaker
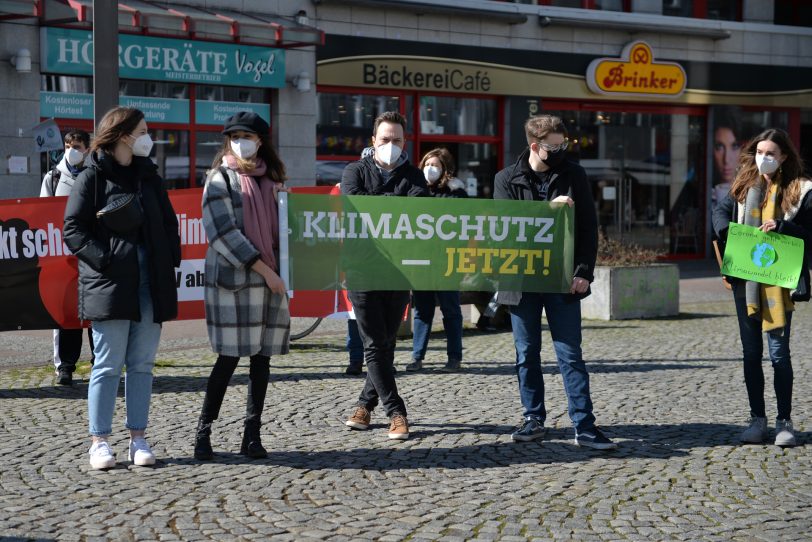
(784, 434)
(101, 455)
(140, 452)
(756, 431)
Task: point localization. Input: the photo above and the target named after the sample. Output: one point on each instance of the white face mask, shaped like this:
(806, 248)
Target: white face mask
(432, 173)
(142, 145)
(244, 148)
(74, 157)
(388, 154)
(766, 164)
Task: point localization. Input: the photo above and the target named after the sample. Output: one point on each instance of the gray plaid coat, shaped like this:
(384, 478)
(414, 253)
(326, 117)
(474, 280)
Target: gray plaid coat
(243, 317)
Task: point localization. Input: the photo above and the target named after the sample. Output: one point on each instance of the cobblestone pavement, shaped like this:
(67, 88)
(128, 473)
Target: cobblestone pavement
(669, 391)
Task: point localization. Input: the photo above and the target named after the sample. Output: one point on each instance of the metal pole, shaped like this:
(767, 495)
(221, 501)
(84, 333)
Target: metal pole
(105, 58)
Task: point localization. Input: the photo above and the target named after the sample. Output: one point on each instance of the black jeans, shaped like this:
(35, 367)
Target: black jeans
(258, 373)
(379, 315)
(70, 347)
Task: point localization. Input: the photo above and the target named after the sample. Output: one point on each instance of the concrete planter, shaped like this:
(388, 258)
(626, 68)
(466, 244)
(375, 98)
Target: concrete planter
(620, 293)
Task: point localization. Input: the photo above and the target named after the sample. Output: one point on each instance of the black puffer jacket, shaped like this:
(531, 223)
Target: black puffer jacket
(454, 188)
(108, 262)
(519, 182)
(362, 178)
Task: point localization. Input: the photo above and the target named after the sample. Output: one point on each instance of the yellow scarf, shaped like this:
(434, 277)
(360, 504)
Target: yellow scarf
(775, 300)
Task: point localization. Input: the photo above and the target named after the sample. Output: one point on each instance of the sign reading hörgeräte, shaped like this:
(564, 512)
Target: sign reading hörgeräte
(378, 243)
(69, 51)
(768, 258)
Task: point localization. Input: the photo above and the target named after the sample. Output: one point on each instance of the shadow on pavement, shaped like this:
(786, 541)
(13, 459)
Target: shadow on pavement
(638, 441)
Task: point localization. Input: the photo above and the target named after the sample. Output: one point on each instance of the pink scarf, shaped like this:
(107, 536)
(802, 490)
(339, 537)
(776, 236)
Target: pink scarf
(260, 213)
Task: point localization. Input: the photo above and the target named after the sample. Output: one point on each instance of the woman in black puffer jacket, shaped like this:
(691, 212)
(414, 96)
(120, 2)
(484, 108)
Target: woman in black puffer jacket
(438, 168)
(121, 226)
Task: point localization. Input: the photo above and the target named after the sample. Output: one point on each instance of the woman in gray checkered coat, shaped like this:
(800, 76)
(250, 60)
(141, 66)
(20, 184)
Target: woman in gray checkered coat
(246, 301)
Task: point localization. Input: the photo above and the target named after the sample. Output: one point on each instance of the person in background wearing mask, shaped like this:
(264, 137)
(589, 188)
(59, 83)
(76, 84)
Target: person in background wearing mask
(59, 182)
(121, 226)
(542, 173)
(245, 299)
(385, 171)
(438, 168)
(769, 193)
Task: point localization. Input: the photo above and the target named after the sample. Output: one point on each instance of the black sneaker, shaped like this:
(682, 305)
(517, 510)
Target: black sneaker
(354, 368)
(593, 438)
(415, 365)
(64, 377)
(530, 429)
(452, 366)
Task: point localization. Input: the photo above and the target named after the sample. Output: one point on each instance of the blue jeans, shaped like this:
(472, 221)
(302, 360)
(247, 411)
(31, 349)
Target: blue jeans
(120, 343)
(564, 319)
(355, 346)
(424, 305)
(752, 351)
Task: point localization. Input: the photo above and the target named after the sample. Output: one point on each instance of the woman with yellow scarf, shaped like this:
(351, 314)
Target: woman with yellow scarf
(770, 193)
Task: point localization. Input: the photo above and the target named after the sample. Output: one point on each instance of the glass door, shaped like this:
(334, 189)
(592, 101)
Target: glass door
(646, 170)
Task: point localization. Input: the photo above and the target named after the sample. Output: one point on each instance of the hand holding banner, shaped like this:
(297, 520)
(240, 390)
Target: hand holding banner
(768, 258)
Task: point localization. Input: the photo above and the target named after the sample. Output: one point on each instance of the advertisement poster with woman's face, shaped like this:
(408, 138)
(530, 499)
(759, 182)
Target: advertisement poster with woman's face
(731, 128)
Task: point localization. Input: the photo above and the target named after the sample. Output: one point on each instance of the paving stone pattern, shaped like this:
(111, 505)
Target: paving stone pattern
(669, 391)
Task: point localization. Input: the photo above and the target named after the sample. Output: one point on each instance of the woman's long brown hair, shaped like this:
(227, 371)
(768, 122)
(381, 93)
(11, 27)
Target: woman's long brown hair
(265, 151)
(115, 124)
(787, 179)
(442, 154)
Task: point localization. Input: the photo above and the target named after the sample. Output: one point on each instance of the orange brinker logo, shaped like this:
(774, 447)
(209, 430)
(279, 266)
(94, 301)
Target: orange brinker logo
(635, 73)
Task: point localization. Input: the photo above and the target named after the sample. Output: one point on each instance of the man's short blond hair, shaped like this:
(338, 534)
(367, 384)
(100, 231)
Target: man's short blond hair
(536, 128)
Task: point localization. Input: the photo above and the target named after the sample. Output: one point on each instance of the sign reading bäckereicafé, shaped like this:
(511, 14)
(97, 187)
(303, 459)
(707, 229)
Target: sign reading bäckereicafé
(70, 51)
(380, 243)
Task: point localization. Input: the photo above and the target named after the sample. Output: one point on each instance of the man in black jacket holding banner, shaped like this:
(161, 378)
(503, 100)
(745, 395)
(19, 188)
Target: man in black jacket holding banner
(386, 171)
(543, 173)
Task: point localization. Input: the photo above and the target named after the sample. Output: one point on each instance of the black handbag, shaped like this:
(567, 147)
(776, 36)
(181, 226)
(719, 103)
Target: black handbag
(123, 213)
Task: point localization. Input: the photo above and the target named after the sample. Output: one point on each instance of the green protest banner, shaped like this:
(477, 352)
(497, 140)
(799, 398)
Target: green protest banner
(769, 258)
(392, 243)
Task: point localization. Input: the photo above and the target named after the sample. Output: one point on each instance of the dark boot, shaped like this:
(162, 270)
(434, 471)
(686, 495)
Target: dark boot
(251, 443)
(257, 387)
(203, 451)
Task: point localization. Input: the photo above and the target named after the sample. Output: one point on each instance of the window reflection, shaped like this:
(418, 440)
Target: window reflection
(457, 116)
(344, 122)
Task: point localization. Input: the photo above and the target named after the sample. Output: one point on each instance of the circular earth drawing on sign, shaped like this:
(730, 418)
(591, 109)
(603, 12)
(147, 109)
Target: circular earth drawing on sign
(763, 255)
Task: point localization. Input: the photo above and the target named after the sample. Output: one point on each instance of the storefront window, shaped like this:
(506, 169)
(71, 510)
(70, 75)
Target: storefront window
(207, 145)
(171, 153)
(646, 172)
(153, 89)
(442, 115)
(344, 123)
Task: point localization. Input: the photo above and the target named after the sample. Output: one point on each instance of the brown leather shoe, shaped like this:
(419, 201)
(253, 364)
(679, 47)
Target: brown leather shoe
(359, 419)
(398, 427)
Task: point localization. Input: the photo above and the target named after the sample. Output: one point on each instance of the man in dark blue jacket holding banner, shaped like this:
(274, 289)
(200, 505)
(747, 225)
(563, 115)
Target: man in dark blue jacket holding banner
(386, 171)
(543, 173)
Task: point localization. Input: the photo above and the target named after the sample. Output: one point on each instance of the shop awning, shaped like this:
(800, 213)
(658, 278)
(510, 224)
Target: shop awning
(18, 9)
(194, 22)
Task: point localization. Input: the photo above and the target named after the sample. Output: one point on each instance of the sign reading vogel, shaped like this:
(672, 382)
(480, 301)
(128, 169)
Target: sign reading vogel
(635, 74)
(70, 52)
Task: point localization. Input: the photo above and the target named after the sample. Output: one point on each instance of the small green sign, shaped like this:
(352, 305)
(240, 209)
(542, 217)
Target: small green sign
(70, 52)
(65, 105)
(380, 243)
(210, 112)
(768, 258)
